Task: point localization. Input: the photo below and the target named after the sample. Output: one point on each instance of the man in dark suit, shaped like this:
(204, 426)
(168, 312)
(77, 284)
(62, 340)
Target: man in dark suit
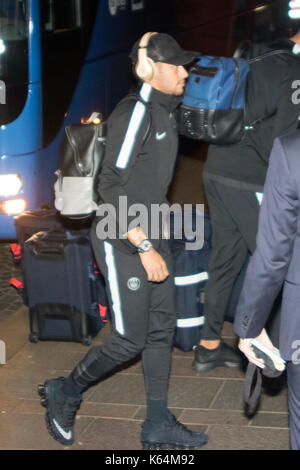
(276, 264)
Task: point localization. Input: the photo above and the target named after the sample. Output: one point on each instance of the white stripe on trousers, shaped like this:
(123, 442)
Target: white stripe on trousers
(114, 287)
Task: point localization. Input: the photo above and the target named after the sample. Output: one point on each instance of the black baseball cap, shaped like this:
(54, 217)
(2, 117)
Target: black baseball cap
(163, 48)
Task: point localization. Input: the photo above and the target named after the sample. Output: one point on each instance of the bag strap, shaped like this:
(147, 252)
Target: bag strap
(258, 121)
(19, 286)
(75, 150)
(252, 392)
(16, 283)
(136, 97)
(270, 54)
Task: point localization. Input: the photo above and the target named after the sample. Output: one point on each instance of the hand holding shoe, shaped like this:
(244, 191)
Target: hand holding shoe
(246, 347)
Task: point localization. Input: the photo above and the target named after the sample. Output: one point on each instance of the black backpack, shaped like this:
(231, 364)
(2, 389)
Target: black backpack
(82, 151)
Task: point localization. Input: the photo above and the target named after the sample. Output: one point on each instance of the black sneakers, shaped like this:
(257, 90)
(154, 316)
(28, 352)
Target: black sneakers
(61, 410)
(171, 434)
(222, 356)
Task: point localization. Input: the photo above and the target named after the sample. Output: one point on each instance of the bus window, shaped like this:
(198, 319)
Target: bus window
(66, 30)
(61, 15)
(283, 24)
(137, 5)
(263, 27)
(262, 21)
(13, 57)
(241, 5)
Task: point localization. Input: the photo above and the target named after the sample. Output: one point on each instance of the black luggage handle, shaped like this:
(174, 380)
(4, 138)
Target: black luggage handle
(45, 248)
(52, 251)
(53, 246)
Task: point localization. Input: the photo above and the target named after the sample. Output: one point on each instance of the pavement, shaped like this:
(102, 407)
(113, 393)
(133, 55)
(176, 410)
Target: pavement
(112, 412)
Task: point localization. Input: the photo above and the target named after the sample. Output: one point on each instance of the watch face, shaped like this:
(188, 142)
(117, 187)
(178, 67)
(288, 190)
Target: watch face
(146, 245)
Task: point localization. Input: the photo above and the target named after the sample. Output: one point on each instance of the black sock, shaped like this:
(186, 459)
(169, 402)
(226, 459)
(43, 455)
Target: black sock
(156, 411)
(71, 388)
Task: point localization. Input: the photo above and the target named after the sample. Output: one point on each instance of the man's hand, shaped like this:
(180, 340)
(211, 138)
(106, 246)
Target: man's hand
(154, 265)
(246, 348)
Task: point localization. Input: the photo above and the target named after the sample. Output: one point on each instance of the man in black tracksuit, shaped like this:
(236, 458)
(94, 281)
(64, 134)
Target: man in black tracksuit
(234, 177)
(138, 167)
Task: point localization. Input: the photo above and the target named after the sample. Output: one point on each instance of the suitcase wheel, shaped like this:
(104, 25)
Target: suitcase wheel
(33, 338)
(87, 340)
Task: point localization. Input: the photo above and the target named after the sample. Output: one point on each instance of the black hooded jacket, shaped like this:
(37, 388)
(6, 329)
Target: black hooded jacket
(272, 98)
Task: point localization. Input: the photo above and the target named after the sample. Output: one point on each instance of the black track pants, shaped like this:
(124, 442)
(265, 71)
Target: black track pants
(143, 320)
(234, 216)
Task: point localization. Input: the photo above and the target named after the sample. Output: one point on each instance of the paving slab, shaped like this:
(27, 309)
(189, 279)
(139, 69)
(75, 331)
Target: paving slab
(14, 331)
(231, 397)
(28, 432)
(271, 420)
(246, 438)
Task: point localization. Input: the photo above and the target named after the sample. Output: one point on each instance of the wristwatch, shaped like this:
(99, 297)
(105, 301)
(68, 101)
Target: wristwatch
(144, 246)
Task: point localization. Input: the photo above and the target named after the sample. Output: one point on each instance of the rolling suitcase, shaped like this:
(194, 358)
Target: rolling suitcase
(64, 289)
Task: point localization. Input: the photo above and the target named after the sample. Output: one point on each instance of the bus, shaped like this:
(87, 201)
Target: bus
(61, 60)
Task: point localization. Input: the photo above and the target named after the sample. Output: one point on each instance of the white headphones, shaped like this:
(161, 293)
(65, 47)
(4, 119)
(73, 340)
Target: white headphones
(145, 66)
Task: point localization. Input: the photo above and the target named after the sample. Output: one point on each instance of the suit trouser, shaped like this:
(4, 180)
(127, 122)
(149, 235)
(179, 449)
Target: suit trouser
(234, 217)
(293, 381)
(143, 320)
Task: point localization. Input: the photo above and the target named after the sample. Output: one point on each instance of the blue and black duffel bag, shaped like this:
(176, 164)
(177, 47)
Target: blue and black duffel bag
(214, 100)
(214, 106)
